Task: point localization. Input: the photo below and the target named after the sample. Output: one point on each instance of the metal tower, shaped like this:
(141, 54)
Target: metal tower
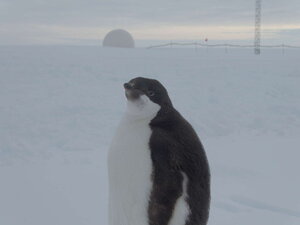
(257, 27)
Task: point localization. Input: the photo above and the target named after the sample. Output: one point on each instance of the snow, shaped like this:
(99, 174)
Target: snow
(59, 108)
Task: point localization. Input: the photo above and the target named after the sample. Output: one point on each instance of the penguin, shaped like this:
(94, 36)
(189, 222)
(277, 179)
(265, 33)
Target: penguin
(157, 167)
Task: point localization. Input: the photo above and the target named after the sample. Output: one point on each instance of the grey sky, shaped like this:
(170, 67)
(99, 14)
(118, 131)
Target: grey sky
(65, 21)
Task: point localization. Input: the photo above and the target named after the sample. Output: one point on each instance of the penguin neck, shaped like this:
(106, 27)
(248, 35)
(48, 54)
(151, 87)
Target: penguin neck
(167, 117)
(141, 108)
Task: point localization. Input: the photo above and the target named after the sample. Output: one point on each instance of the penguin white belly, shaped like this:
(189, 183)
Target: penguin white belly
(130, 168)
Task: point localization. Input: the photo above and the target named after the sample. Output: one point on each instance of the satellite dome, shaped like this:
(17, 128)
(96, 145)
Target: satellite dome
(118, 38)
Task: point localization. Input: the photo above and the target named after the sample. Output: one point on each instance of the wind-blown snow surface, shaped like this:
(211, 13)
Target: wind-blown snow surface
(59, 107)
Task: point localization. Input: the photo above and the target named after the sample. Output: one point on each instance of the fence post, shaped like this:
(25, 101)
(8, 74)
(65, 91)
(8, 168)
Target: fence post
(283, 49)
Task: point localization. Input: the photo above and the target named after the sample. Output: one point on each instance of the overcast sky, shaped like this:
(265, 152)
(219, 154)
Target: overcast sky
(87, 21)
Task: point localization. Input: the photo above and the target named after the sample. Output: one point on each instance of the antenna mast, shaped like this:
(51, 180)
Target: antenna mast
(257, 27)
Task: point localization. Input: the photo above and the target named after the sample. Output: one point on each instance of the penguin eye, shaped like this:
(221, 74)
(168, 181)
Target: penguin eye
(151, 93)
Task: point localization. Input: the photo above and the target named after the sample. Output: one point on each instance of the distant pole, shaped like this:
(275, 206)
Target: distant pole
(282, 46)
(226, 48)
(257, 27)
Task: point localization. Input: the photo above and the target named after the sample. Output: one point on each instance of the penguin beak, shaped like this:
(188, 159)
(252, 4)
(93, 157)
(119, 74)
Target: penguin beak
(127, 86)
(132, 93)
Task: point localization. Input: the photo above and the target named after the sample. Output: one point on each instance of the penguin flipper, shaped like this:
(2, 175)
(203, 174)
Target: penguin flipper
(162, 205)
(165, 192)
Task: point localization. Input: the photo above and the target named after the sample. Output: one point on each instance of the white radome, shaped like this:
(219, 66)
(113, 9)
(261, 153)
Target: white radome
(118, 39)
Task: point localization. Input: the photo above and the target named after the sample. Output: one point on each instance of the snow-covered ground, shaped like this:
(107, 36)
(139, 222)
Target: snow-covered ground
(59, 107)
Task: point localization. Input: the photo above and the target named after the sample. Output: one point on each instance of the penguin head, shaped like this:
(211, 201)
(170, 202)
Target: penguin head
(150, 88)
(146, 94)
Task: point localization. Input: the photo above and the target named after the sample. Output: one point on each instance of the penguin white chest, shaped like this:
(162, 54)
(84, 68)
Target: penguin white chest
(130, 168)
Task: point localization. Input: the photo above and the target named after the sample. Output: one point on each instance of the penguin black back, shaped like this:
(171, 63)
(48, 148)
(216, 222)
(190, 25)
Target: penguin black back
(178, 157)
